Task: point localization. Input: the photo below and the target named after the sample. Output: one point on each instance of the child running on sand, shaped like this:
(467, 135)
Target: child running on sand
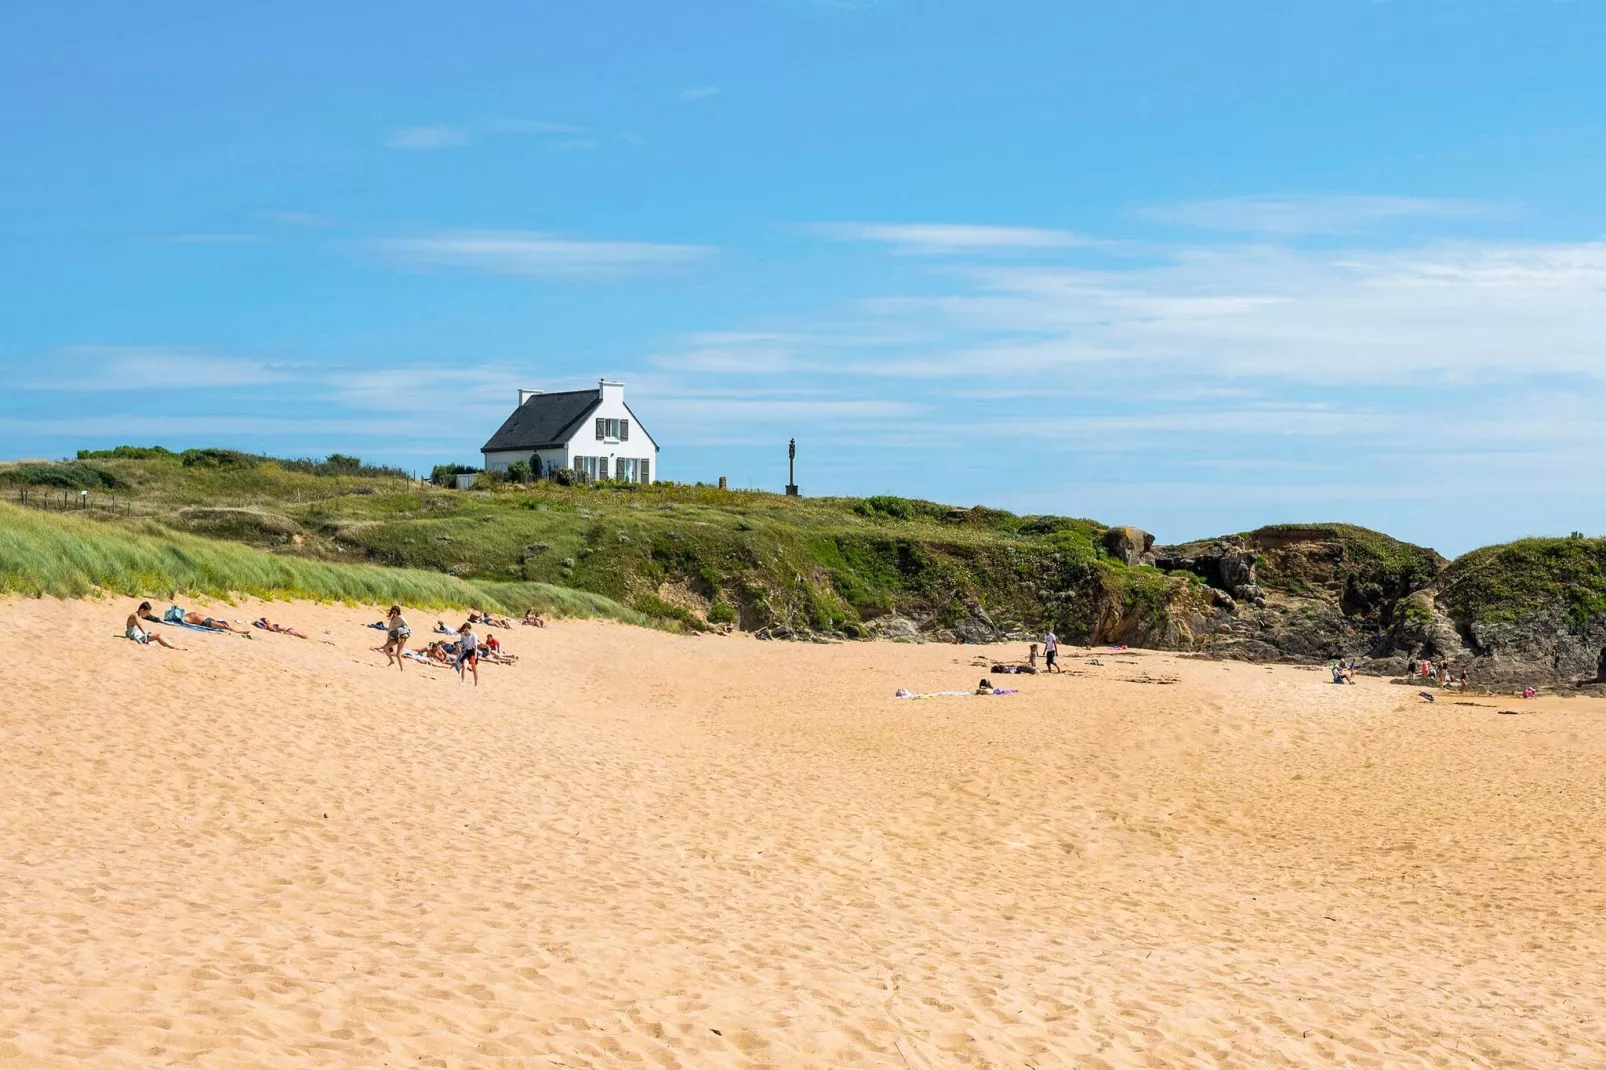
(138, 633)
(396, 635)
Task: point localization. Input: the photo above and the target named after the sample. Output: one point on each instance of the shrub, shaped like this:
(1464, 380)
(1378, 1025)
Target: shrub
(219, 458)
(127, 453)
(71, 475)
(566, 477)
(721, 612)
(520, 472)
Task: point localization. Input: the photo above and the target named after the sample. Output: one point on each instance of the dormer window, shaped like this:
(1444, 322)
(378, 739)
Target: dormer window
(616, 430)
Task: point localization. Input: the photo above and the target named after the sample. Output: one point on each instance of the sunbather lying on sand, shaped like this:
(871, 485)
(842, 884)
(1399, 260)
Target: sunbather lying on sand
(533, 619)
(268, 626)
(217, 624)
(485, 618)
(139, 634)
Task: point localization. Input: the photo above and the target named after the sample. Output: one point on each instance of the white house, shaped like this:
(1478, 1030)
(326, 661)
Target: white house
(590, 431)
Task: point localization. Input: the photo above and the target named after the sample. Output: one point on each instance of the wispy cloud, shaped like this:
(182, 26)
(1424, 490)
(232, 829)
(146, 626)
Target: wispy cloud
(209, 239)
(105, 368)
(564, 136)
(1287, 216)
(1452, 313)
(429, 137)
(531, 126)
(700, 92)
(300, 219)
(950, 237)
(541, 255)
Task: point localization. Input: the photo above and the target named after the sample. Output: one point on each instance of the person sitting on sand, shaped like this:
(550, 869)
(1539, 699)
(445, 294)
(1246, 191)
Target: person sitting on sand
(985, 687)
(468, 654)
(140, 635)
(397, 633)
(533, 619)
(268, 626)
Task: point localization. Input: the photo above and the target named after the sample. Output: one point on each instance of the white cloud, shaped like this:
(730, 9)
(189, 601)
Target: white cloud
(429, 137)
(1446, 314)
(112, 368)
(701, 92)
(300, 219)
(209, 239)
(1287, 216)
(531, 126)
(951, 237)
(541, 255)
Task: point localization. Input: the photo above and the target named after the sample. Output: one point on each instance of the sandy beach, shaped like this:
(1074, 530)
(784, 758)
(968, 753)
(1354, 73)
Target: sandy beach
(638, 849)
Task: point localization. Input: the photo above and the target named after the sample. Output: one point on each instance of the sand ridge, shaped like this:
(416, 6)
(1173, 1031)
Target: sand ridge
(641, 849)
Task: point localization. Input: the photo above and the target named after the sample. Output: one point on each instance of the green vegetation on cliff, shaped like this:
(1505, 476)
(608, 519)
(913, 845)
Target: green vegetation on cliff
(69, 555)
(1365, 570)
(691, 555)
(1502, 583)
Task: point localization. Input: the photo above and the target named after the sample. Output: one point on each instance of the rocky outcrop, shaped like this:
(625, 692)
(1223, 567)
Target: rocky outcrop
(1303, 592)
(1131, 546)
(1226, 564)
(1527, 613)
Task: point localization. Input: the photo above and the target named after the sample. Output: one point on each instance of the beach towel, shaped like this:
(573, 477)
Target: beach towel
(905, 693)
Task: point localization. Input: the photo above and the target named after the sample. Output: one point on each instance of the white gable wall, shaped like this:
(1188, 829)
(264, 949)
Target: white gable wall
(638, 447)
(584, 443)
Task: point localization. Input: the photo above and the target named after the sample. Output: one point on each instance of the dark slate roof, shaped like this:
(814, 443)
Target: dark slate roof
(544, 422)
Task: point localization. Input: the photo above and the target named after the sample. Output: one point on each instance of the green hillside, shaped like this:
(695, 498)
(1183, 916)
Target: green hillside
(695, 556)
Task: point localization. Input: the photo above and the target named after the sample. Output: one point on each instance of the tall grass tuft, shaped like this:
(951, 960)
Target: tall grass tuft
(71, 557)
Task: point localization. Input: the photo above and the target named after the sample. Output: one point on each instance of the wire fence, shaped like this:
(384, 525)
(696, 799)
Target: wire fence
(63, 500)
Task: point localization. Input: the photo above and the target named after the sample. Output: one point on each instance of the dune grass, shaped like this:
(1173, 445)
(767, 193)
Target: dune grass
(74, 556)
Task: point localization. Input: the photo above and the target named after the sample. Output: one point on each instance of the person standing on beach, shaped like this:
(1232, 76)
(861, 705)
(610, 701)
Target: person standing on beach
(396, 635)
(468, 654)
(1051, 650)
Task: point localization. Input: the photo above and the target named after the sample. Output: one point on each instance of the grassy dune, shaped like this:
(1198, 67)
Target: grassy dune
(71, 556)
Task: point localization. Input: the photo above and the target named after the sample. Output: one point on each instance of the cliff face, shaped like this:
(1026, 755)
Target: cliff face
(1528, 612)
(1308, 592)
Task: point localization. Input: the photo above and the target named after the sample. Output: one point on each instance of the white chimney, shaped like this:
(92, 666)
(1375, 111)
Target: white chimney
(608, 390)
(526, 395)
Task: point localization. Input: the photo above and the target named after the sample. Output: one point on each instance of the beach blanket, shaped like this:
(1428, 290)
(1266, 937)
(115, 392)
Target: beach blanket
(903, 693)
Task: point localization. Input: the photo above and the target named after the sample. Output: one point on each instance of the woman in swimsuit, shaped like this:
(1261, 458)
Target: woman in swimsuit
(268, 626)
(396, 636)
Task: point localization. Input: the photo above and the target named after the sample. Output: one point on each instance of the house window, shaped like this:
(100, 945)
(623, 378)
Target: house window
(613, 429)
(626, 469)
(586, 466)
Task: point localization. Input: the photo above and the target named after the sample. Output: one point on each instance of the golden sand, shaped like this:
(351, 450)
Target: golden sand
(635, 849)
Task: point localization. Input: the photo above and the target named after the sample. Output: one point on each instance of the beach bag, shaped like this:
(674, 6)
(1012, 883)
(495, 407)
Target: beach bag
(174, 615)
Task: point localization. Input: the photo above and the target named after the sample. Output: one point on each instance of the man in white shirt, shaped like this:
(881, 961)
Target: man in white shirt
(1051, 649)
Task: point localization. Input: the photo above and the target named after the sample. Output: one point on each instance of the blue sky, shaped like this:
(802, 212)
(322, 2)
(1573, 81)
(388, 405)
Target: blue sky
(1191, 266)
